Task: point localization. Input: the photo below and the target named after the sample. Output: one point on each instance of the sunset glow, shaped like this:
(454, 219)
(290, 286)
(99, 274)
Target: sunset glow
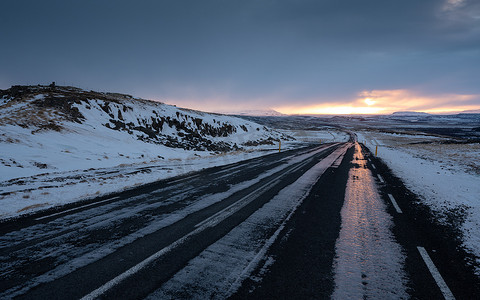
(296, 57)
(369, 101)
(389, 101)
(331, 109)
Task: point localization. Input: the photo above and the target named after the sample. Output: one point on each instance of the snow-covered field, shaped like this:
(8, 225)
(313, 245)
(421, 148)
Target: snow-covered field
(445, 176)
(318, 136)
(27, 194)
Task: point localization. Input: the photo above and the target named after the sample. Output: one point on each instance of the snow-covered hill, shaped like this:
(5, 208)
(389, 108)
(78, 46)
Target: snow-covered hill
(53, 128)
(52, 137)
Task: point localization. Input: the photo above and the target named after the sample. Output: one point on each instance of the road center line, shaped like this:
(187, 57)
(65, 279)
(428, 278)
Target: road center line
(99, 291)
(234, 207)
(447, 294)
(373, 166)
(96, 293)
(339, 159)
(237, 205)
(397, 208)
(380, 178)
(113, 282)
(260, 254)
(76, 208)
(246, 199)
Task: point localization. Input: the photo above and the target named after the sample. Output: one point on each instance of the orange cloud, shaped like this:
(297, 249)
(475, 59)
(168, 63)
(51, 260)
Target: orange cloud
(389, 101)
(330, 109)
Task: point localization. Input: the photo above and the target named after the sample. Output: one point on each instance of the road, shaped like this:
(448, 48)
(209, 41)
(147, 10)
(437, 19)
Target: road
(315, 222)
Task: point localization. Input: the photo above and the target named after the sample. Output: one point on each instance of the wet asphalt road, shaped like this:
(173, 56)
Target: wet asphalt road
(305, 262)
(159, 240)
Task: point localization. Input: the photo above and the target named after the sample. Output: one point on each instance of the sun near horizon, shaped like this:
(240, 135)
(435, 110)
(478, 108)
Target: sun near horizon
(381, 102)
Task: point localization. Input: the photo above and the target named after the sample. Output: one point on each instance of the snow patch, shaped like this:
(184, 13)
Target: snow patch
(444, 176)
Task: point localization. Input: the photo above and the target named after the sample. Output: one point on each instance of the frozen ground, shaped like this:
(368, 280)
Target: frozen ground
(318, 136)
(61, 145)
(51, 168)
(27, 194)
(445, 176)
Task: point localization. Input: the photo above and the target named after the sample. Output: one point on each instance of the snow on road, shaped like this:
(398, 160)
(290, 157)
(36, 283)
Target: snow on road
(445, 176)
(220, 269)
(369, 262)
(318, 136)
(66, 145)
(27, 194)
(39, 241)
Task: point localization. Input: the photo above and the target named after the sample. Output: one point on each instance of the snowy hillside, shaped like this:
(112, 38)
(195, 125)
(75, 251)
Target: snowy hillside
(55, 137)
(68, 128)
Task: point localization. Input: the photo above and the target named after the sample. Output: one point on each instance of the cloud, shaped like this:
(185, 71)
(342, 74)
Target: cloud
(389, 101)
(246, 53)
(453, 4)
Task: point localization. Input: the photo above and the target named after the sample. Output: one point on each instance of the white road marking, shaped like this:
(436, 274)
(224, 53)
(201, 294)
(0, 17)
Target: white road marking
(76, 208)
(397, 208)
(182, 179)
(261, 254)
(113, 282)
(193, 285)
(369, 261)
(447, 294)
(373, 166)
(201, 227)
(98, 292)
(234, 207)
(380, 178)
(339, 160)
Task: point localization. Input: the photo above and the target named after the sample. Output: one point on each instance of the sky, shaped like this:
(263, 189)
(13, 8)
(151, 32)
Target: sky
(294, 56)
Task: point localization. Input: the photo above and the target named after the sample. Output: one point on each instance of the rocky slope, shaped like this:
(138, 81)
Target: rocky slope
(41, 108)
(62, 144)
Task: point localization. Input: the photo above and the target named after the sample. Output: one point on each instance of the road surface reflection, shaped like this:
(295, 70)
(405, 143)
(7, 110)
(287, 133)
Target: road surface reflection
(369, 262)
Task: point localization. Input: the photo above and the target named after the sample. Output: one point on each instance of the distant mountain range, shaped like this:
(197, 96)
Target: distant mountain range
(257, 113)
(475, 111)
(424, 114)
(409, 113)
(274, 113)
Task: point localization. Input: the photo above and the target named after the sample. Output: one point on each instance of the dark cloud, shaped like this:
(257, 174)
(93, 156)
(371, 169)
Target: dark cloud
(303, 51)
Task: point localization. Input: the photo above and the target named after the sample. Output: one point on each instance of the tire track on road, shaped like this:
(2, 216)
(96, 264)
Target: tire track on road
(67, 270)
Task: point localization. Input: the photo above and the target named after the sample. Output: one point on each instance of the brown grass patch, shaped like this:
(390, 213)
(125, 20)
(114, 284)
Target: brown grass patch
(32, 206)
